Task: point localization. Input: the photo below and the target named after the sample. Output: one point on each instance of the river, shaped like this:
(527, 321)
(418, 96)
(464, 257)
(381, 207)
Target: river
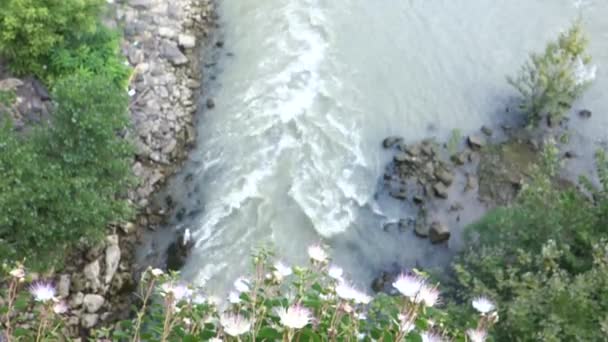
(307, 89)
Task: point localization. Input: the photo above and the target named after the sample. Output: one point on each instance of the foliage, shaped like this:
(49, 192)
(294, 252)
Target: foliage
(454, 141)
(31, 29)
(550, 82)
(276, 303)
(545, 262)
(61, 183)
(94, 53)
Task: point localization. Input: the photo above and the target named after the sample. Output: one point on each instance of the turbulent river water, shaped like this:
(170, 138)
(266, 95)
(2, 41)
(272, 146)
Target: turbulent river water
(307, 90)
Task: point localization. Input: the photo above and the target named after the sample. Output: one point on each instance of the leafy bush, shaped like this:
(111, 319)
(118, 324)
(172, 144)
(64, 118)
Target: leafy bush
(31, 29)
(550, 82)
(544, 259)
(94, 53)
(61, 183)
(277, 302)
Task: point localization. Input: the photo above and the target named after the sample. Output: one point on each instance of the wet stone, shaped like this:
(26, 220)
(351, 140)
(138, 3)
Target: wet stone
(487, 130)
(444, 176)
(585, 113)
(440, 190)
(402, 157)
(399, 194)
(391, 141)
(439, 233)
(476, 142)
(459, 158)
(421, 230)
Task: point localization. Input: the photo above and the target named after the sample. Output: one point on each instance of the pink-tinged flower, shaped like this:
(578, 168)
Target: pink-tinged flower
(408, 285)
(317, 253)
(335, 272)
(428, 295)
(235, 325)
(179, 291)
(18, 273)
(294, 317)
(348, 292)
(477, 335)
(241, 285)
(60, 307)
(483, 305)
(42, 291)
(430, 337)
(282, 269)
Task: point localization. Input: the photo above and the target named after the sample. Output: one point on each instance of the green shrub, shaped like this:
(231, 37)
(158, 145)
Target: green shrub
(550, 82)
(61, 183)
(31, 29)
(95, 53)
(544, 260)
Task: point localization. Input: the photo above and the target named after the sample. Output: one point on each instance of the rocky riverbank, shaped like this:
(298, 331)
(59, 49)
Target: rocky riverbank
(162, 43)
(446, 188)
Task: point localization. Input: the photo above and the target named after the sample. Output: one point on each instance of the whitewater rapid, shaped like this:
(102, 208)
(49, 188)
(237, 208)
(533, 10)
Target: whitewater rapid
(306, 91)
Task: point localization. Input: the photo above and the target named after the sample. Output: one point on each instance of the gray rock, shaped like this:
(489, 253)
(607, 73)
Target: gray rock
(421, 229)
(585, 113)
(389, 142)
(93, 302)
(428, 149)
(141, 4)
(439, 232)
(444, 176)
(41, 90)
(76, 300)
(487, 130)
(471, 182)
(476, 142)
(91, 273)
(112, 257)
(63, 286)
(210, 103)
(398, 194)
(418, 199)
(89, 320)
(459, 158)
(402, 157)
(167, 32)
(440, 190)
(10, 84)
(186, 41)
(570, 154)
(173, 54)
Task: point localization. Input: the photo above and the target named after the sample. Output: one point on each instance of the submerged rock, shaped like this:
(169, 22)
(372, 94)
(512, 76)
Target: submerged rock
(476, 142)
(444, 176)
(438, 232)
(179, 250)
(585, 113)
(389, 142)
(440, 190)
(487, 130)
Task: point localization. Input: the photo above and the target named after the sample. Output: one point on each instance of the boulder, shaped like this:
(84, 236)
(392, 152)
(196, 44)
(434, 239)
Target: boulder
(471, 182)
(93, 302)
(76, 300)
(438, 232)
(444, 176)
(186, 41)
(487, 130)
(459, 158)
(389, 142)
(91, 273)
(10, 84)
(418, 199)
(210, 103)
(398, 194)
(63, 286)
(89, 320)
(173, 54)
(476, 142)
(585, 113)
(440, 190)
(403, 157)
(428, 149)
(421, 229)
(112, 257)
(141, 4)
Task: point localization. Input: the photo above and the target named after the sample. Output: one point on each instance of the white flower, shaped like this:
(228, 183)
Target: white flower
(282, 269)
(360, 316)
(430, 337)
(198, 299)
(428, 295)
(360, 336)
(294, 317)
(18, 273)
(60, 307)
(234, 297)
(42, 291)
(316, 253)
(347, 292)
(179, 291)
(235, 325)
(335, 272)
(408, 285)
(241, 285)
(483, 305)
(213, 300)
(477, 335)
(157, 272)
